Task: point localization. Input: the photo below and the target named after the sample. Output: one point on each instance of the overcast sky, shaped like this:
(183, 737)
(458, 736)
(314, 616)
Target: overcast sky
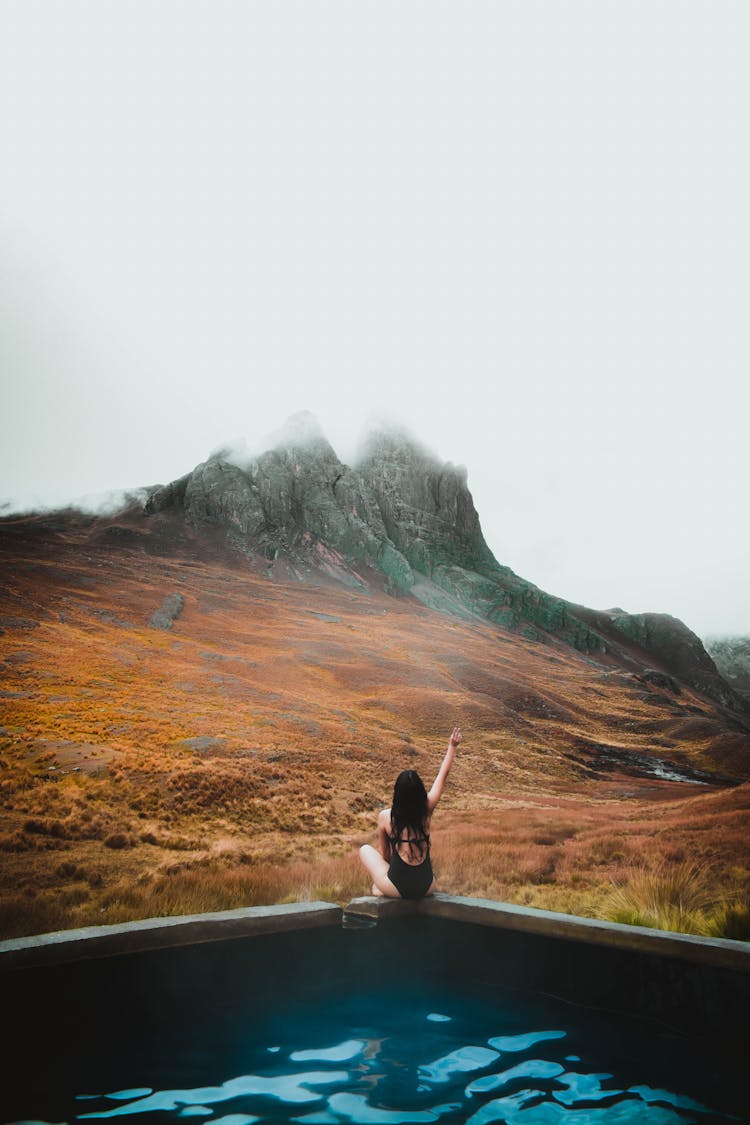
(519, 228)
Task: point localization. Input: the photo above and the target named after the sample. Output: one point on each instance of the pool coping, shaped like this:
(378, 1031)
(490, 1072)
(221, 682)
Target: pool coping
(718, 952)
(164, 933)
(194, 929)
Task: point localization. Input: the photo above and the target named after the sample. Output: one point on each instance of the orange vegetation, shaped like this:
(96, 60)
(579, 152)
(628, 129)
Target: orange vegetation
(240, 756)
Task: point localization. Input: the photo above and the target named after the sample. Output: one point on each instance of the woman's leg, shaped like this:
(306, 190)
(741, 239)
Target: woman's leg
(377, 869)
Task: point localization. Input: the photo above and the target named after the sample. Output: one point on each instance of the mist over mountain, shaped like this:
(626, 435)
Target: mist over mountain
(401, 520)
(732, 658)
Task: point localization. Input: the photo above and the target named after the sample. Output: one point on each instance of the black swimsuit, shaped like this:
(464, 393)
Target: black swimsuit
(411, 880)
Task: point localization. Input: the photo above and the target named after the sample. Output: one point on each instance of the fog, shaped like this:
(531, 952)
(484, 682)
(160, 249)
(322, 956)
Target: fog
(520, 231)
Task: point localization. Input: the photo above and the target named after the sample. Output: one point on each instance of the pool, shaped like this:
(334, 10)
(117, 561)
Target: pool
(417, 1019)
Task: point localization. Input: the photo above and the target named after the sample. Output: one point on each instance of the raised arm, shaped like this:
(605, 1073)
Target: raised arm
(437, 786)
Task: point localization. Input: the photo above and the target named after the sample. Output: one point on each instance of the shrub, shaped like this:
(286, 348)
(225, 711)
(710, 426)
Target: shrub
(34, 825)
(15, 842)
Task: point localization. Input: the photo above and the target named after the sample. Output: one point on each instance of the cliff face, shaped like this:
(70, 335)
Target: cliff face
(398, 512)
(731, 656)
(407, 521)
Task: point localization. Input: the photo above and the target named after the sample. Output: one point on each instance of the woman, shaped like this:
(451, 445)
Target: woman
(400, 867)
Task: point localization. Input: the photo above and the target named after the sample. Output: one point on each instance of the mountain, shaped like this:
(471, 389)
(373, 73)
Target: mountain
(205, 700)
(404, 521)
(731, 655)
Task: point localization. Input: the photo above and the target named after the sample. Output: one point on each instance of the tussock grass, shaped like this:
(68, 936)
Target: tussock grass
(684, 897)
(21, 915)
(731, 920)
(190, 887)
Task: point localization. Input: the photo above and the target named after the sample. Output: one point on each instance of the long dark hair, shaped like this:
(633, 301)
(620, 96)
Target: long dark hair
(409, 809)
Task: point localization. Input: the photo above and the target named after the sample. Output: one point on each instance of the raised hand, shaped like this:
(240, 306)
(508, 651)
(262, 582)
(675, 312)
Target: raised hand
(455, 738)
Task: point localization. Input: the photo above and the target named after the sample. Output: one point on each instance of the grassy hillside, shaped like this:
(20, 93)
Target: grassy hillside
(240, 756)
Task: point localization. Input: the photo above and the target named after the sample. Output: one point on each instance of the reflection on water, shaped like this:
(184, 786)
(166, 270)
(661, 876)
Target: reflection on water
(417, 1069)
(358, 922)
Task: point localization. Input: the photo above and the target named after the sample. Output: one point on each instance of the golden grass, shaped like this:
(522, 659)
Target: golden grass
(682, 896)
(730, 920)
(109, 811)
(191, 887)
(686, 897)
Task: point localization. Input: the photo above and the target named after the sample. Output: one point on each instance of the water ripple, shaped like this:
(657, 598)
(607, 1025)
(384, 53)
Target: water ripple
(411, 1067)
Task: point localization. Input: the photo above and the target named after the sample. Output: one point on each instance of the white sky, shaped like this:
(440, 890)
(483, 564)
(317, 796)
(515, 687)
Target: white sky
(519, 228)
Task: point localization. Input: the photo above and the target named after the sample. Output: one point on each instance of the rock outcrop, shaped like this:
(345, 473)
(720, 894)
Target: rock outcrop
(678, 650)
(408, 521)
(731, 655)
(170, 609)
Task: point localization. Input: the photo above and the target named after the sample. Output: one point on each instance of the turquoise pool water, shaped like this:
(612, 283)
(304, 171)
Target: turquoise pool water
(387, 1060)
(268, 1031)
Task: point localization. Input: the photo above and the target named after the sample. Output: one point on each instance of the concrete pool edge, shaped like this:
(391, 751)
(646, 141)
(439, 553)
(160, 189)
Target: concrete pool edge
(717, 952)
(686, 985)
(195, 929)
(691, 986)
(164, 933)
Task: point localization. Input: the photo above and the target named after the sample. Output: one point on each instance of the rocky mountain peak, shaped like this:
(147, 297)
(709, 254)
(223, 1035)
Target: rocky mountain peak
(390, 443)
(732, 657)
(405, 520)
(301, 433)
(400, 511)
